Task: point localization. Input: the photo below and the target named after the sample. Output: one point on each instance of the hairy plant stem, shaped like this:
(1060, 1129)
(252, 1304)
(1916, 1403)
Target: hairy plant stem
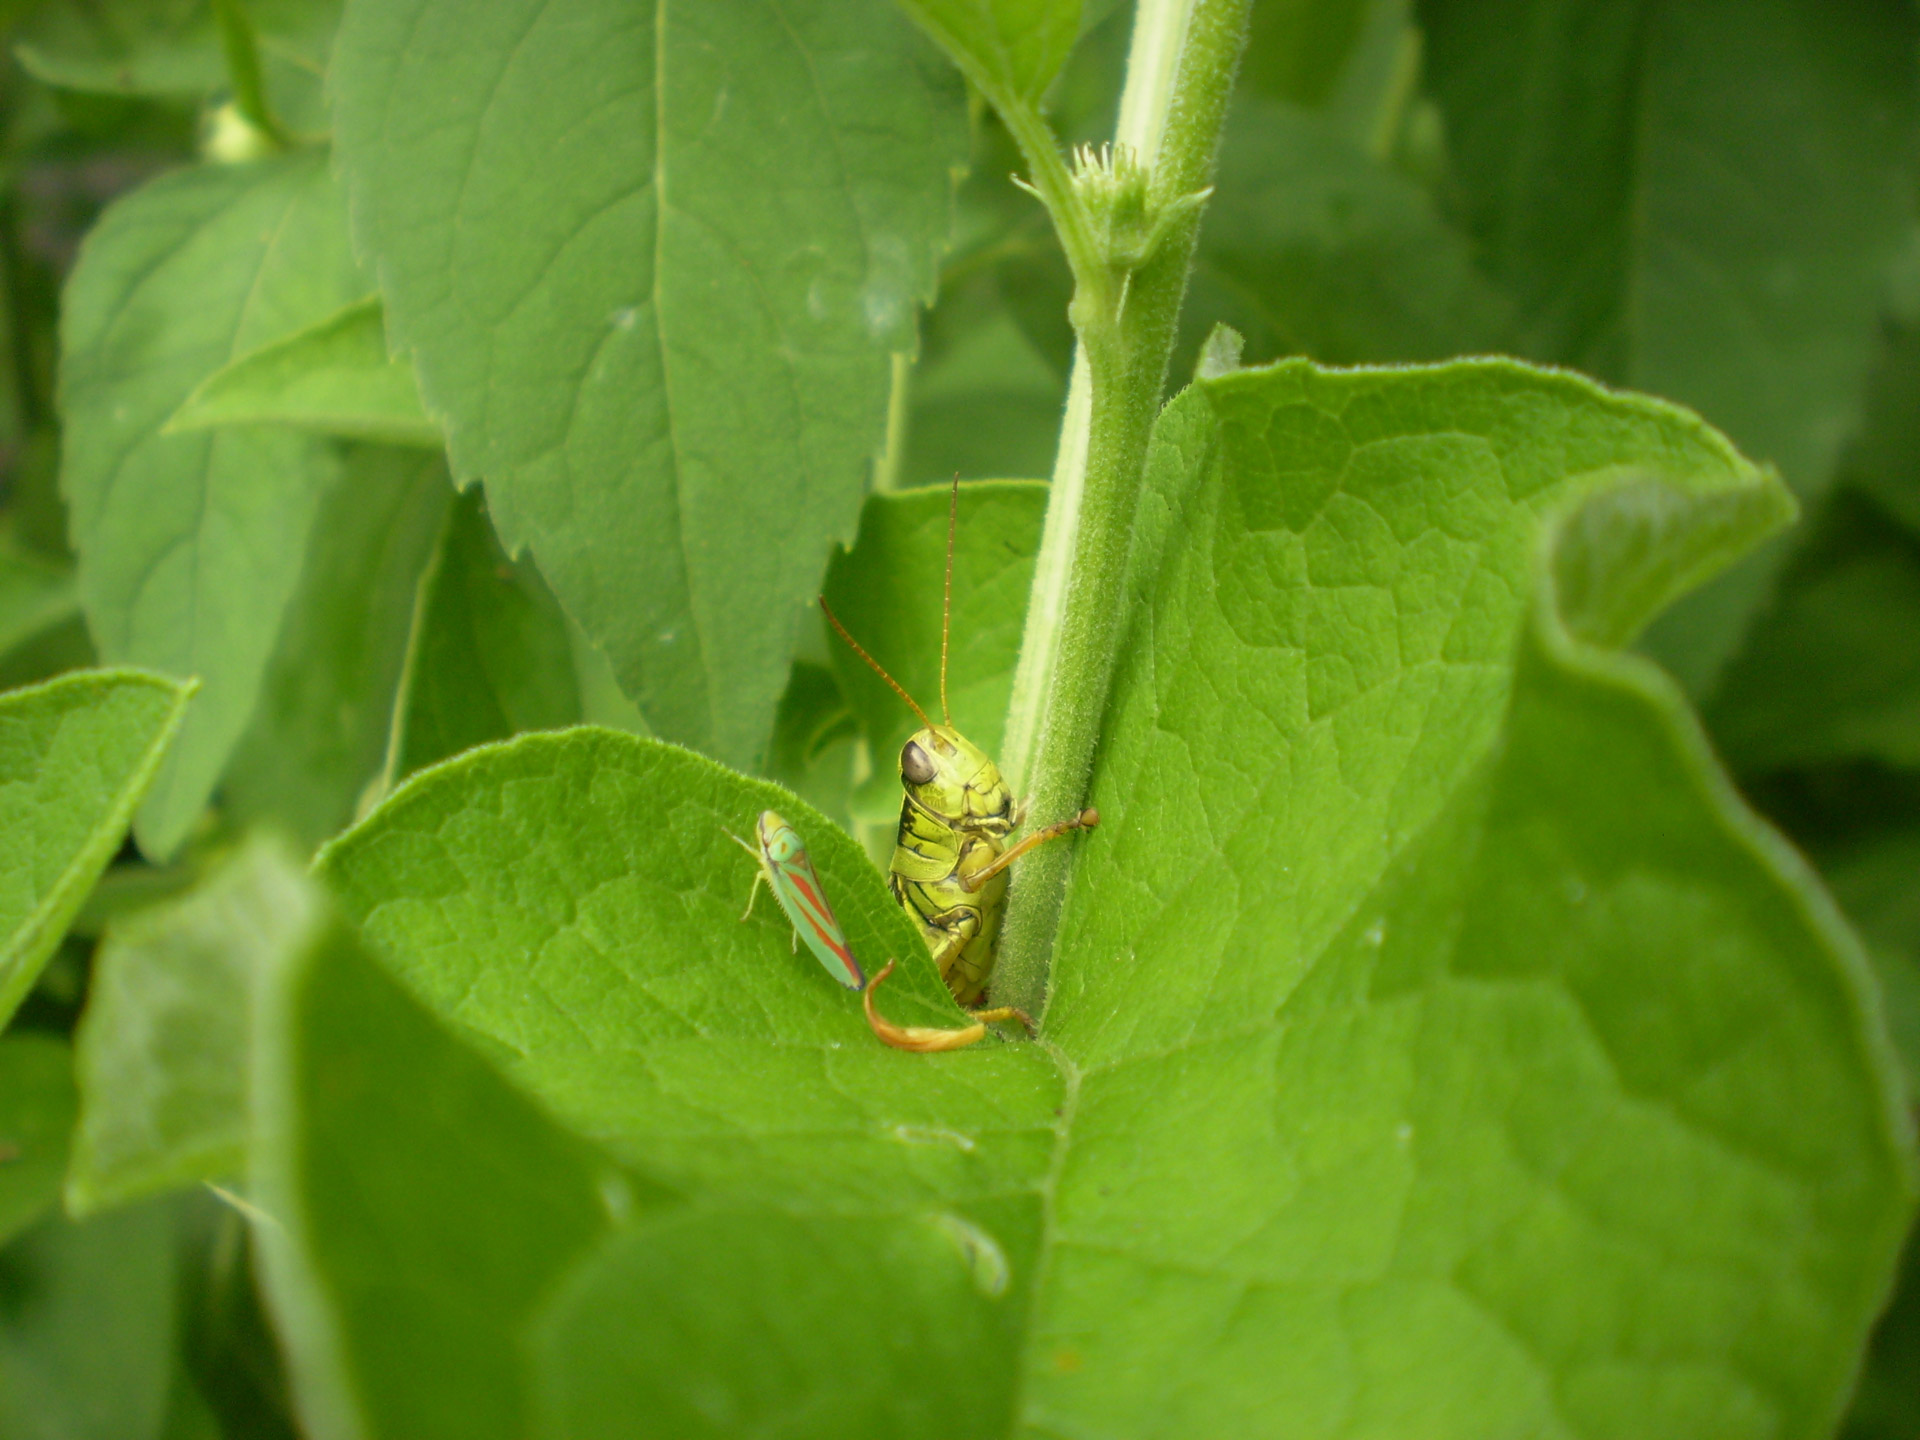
(1180, 74)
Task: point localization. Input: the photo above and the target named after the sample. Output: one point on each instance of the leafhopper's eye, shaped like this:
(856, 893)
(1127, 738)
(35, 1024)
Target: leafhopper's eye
(915, 767)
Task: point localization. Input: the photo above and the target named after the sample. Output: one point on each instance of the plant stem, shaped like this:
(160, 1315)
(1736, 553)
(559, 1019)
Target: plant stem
(1180, 73)
(893, 452)
(242, 48)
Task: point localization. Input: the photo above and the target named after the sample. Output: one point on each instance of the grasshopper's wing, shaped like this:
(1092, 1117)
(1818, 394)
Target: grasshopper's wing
(800, 894)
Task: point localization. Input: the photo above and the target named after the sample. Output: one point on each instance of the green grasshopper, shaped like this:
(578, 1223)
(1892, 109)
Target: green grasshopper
(950, 856)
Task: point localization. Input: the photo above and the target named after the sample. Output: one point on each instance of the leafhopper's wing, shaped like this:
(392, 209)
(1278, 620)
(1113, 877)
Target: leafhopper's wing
(790, 875)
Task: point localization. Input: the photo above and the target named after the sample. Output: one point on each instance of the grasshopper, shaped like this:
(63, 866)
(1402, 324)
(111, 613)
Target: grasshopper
(951, 852)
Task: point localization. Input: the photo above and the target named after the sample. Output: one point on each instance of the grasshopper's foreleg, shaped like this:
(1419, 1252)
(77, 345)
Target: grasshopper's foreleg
(1085, 820)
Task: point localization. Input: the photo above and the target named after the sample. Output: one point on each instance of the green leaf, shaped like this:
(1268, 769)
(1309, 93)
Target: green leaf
(36, 1116)
(1297, 50)
(1551, 1071)
(191, 545)
(1435, 1043)
(333, 378)
(602, 701)
(59, 650)
(231, 1361)
(87, 1322)
(490, 655)
(887, 592)
(1884, 459)
(707, 1053)
(985, 403)
(650, 265)
(632, 836)
(1011, 49)
(170, 49)
(35, 595)
(1831, 670)
(418, 1203)
(76, 755)
(320, 733)
(1313, 247)
(162, 1049)
(708, 1325)
(1623, 169)
(815, 737)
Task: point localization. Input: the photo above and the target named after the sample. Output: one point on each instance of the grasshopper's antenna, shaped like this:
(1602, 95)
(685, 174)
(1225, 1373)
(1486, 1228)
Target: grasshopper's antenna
(946, 600)
(878, 668)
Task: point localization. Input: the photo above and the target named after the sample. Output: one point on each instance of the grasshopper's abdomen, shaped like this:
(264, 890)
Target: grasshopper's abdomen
(932, 859)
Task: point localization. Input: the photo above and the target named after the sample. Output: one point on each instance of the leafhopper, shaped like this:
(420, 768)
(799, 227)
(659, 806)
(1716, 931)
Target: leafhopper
(789, 874)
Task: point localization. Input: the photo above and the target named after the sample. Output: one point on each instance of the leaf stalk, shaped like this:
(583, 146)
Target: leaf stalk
(240, 44)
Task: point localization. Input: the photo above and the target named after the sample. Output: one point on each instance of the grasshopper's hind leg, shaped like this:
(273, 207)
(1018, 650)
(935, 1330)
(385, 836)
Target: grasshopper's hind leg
(927, 1039)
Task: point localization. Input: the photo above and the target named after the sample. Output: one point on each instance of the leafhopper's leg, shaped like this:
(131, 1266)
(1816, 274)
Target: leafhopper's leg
(1085, 820)
(753, 892)
(759, 872)
(926, 1039)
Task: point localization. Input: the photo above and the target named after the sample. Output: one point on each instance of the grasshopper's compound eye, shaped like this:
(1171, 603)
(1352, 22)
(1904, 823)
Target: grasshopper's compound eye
(915, 766)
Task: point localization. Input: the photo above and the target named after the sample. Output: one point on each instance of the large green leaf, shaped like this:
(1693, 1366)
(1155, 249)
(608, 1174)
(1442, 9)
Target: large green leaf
(650, 264)
(36, 1116)
(710, 1055)
(191, 545)
(1627, 172)
(163, 1046)
(653, 1019)
(321, 730)
(76, 755)
(332, 378)
(1436, 1044)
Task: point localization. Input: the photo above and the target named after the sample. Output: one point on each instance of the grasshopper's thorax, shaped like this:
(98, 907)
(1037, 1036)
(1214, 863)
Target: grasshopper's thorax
(950, 779)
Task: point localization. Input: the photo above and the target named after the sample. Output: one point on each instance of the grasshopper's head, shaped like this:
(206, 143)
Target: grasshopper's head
(949, 776)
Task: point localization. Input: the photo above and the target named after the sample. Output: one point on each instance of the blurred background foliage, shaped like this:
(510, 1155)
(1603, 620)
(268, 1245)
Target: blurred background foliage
(1712, 200)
